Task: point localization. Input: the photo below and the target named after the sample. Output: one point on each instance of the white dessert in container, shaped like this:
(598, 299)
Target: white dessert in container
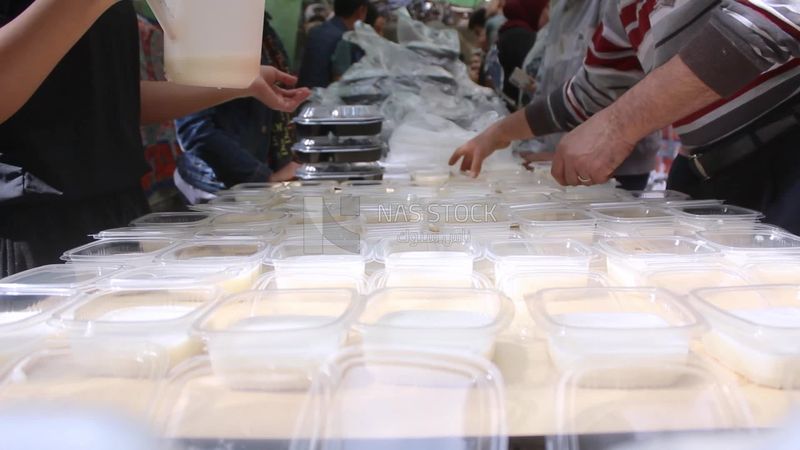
(774, 270)
(628, 258)
(121, 320)
(119, 252)
(172, 220)
(289, 332)
(247, 256)
(454, 320)
(755, 331)
(567, 223)
(624, 326)
(741, 247)
(428, 251)
(622, 219)
(715, 217)
(421, 278)
(683, 279)
(319, 256)
(515, 255)
(24, 315)
(320, 280)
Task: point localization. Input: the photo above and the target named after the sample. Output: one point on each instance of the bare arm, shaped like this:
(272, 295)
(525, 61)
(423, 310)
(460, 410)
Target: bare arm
(499, 135)
(32, 44)
(163, 101)
(598, 146)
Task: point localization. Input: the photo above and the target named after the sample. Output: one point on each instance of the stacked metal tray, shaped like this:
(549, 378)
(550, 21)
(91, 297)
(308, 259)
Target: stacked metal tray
(339, 143)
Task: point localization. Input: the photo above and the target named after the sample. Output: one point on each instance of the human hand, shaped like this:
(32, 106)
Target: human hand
(592, 152)
(478, 149)
(286, 173)
(270, 89)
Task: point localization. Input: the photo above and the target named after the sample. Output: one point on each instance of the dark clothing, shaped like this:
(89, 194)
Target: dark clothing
(633, 182)
(513, 46)
(240, 141)
(317, 67)
(32, 235)
(78, 135)
(767, 181)
(79, 132)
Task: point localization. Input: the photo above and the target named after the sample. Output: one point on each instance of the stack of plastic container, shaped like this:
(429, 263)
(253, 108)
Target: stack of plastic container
(339, 143)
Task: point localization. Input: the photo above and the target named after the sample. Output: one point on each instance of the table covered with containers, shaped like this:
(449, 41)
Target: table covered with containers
(428, 309)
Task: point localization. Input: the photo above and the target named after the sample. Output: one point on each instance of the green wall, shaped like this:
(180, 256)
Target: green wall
(285, 18)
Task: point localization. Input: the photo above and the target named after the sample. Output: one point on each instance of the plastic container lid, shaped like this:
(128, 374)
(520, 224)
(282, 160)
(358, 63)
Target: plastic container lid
(262, 221)
(134, 233)
(56, 278)
(339, 115)
(276, 186)
(526, 200)
(238, 201)
(623, 325)
(119, 252)
(633, 214)
(519, 285)
(428, 252)
(239, 417)
(289, 331)
(409, 278)
(755, 331)
(462, 320)
(269, 236)
(591, 195)
(554, 217)
(590, 417)
(715, 215)
(272, 281)
(172, 220)
(217, 253)
(659, 196)
(435, 400)
(514, 255)
(229, 279)
(742, 246)
(780, 270)
(320, 256)
(683, 279)
(657, 250)
(126, 384)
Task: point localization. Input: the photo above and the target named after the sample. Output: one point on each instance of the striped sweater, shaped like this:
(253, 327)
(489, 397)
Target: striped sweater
(748, 51)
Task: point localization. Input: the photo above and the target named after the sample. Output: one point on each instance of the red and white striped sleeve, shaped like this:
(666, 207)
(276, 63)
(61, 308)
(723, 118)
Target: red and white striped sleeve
(742, 40)
(610, 68)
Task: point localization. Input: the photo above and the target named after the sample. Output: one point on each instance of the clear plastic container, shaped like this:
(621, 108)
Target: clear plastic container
(264, 235)
(659, 196)
(624, 326)
(428, 251)
(742, 246)
(272, 187)
(263, 221)
(319, 256)
(591, 195)
(622, 219)
(430, 177)
(525, 200)
(239, 418)
(410, 278)
(627, 258)
(119, 252)
(673, 229)
(594, 417)
(24, 313)
(172, 220)
(247, 256)
(511, 256)
(569, 223)
(682, 280)
(434, 400)
(120, 321)
(774, 271)
(239, 201)
(230, 280)
(135, 233)
(57, 278)
(341, 121)
(271, 281)
(714, 217)
(287, 332)
(123, 384)
(755, 331)
(454, 320)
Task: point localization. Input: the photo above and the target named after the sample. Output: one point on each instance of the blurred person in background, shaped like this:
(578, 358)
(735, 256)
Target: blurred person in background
(347, 53)
(558, 53)
(494, 20)
(516, 38)
(316, 69)
(71, 104)
(725, 73)
(477, 25)
(241, 141)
